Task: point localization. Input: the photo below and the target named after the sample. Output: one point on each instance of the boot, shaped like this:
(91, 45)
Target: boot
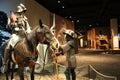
(2, 69)
(73, 74)
(67, 74)
(6, 54)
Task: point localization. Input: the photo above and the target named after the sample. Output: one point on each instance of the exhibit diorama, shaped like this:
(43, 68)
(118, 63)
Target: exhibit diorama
(94, 27)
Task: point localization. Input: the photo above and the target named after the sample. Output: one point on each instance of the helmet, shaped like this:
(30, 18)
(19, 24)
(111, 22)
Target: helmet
(70, 33)
(19, 9)
(23, 7)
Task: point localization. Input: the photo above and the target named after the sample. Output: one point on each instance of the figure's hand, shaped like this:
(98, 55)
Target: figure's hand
(56, 54)
(17, 29)
(60, 50)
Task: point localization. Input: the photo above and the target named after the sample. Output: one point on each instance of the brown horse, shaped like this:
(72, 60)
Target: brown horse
(25, 52)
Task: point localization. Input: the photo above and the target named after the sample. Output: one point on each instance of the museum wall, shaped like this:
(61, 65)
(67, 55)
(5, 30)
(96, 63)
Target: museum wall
(35, 12)
(91, 38)
(61, 24)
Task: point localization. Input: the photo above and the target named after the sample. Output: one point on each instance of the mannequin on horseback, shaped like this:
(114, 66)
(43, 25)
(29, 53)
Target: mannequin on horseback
(19, 25)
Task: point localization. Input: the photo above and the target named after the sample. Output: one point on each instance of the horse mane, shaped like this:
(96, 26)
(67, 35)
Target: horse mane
(31, 39)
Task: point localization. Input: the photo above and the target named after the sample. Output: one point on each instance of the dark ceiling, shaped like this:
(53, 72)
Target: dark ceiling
(84, 12)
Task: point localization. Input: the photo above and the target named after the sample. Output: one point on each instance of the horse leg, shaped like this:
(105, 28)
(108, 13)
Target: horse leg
(6, 68)
(12, 74)
(32, 72)
(7, 75)
(20, 70)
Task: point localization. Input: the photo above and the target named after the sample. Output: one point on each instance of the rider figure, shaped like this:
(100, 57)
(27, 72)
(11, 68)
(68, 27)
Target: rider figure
(69, 49)
(20, 27)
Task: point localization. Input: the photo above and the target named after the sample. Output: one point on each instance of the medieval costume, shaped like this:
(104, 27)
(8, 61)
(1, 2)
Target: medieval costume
(69, 47)
(19, 25)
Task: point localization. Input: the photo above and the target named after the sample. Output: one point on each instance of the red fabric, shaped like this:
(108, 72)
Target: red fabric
(13, 17)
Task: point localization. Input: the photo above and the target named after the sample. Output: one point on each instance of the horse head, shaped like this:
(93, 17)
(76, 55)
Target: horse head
(47, 35)
(44, 35)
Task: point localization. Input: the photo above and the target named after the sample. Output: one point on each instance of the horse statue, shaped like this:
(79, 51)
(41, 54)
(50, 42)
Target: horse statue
(25, 52)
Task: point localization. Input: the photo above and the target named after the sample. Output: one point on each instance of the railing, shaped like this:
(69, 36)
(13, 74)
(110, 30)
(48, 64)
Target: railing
(90, 72)
(95, 75)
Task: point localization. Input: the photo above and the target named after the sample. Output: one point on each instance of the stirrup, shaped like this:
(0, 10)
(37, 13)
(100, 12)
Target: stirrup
(37, 62)
(3, 69)
(4, 63)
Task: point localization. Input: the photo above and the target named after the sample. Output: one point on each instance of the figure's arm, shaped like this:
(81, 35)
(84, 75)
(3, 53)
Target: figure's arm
(28, 28)
(63, 49)
(12, 21)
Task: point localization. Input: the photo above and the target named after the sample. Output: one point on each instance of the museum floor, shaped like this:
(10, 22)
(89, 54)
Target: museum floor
(104, 62)
(44, 77)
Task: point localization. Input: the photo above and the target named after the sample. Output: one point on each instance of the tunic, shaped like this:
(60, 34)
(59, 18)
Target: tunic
(69, 47)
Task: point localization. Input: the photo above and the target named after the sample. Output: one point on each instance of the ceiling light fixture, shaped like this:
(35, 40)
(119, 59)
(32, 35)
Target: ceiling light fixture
(59, 1)
(66, 17)
(63, 7)
(78, 21)
(90, 25)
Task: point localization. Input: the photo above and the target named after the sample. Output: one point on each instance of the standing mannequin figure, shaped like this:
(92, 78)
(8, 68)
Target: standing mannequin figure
(69, 49)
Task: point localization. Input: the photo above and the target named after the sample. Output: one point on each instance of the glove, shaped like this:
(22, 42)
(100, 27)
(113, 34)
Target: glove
(58, 53)
(60, 50)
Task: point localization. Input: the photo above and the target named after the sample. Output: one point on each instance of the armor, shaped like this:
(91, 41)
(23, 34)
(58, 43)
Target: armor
(19, 9)
(69, 48)
(23, 7)
(20, 27)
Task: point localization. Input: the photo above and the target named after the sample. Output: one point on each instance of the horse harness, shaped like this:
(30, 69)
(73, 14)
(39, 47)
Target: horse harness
(24, 57)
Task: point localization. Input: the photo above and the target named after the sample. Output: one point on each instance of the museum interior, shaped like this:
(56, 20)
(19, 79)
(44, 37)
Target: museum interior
(94, 16)
(96, 26)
